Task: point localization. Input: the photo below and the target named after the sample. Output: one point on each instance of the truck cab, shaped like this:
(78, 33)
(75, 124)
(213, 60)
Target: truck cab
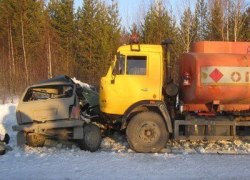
(136, 75)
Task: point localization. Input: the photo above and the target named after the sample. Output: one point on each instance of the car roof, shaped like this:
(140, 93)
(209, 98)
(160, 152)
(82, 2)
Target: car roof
(58, 80)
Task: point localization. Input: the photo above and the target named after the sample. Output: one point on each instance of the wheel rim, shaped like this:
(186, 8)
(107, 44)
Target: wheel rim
(148, 132)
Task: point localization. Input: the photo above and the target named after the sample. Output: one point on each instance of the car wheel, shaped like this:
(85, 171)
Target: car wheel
(35, 140)
(91, 138)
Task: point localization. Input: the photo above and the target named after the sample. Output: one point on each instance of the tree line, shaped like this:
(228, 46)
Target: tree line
(40, 39)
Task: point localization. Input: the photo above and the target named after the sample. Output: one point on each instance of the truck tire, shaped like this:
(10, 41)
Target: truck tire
(146, 132)
(91, 138)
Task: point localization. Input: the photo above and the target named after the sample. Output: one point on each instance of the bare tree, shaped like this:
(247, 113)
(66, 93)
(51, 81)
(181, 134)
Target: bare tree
(13, 64)
(49, 58)
(226, 18)
(24, 51)
(238, 7)
(188, 29)
(9, 53)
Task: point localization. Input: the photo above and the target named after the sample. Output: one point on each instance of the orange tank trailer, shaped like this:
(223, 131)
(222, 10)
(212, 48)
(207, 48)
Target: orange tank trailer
(215, 76)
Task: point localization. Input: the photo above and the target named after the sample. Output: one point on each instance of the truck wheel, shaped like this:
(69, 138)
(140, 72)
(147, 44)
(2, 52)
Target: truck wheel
(91, 138)
(146, 132)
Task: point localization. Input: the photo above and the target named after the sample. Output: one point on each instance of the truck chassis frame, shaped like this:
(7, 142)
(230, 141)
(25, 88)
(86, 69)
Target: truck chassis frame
(206, 123)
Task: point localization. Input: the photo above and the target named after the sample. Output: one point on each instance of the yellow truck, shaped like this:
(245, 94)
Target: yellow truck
(211, 101)
(131, 93)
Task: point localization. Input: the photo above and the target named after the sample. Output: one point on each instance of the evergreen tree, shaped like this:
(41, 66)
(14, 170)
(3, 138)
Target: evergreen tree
(87, 25)
(188, 29)
(124, 37)
(134, 30)
(157, 25)
(98, 27)
(7, 60)
(61, 14)
(201, 16)
(33, 39)
(246, 26)
(216, 23)
(115, 26)
(23, 24)
(160, 24)
(40, 40)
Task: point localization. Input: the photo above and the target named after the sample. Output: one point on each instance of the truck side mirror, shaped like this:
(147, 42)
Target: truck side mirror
(113, 78)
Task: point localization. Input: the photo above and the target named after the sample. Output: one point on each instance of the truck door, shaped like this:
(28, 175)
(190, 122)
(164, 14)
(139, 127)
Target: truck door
(132, 81)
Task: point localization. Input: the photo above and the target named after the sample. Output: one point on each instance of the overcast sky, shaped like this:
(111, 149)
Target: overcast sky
(133, 10)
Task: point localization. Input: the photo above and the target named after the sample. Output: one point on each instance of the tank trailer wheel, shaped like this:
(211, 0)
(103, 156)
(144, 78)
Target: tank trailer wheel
(146, 132)
(91, 138)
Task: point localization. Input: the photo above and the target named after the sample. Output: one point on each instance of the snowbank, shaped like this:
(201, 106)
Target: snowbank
(8, 118)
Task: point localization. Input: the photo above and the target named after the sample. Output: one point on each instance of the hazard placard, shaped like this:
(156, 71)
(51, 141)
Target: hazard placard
(218, 75)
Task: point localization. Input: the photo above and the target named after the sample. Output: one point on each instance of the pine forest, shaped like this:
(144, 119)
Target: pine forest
(41, 39)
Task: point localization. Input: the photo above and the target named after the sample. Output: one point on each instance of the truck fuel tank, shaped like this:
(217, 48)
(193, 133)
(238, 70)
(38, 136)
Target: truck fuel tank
(216, 72)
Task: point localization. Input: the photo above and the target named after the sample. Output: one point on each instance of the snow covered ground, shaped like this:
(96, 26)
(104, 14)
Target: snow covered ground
(180, 160)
